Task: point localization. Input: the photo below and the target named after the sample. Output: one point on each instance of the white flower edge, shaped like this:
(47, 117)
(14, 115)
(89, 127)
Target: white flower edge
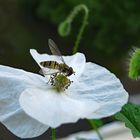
(53, 108)
(103, 87)
(12, 83)
(97, 93)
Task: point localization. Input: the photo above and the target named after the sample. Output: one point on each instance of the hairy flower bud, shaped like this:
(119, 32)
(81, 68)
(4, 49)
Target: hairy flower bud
(134, 65)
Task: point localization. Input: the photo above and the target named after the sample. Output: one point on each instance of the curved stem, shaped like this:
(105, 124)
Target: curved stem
(65, 26)
(93, 125)
(84, 23)
(53, 134)
(71, 17)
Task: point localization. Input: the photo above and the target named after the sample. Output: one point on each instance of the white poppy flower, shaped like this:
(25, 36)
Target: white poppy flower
(94, 93)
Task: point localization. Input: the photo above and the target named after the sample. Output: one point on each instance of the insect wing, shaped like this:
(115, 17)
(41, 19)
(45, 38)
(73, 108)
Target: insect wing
(49, 67)
(54, 49)
(46, 71)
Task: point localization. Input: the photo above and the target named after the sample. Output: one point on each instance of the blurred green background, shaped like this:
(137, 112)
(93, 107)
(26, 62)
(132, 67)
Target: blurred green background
(113, 29)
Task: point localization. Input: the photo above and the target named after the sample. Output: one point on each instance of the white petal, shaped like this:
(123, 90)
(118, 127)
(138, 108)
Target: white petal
(12, 83)
(76, 61)
(98, 84)
(53, 108)
(42, 57)
(23, 125)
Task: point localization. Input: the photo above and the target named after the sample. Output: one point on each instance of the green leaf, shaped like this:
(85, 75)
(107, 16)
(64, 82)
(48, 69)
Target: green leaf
(130, 115)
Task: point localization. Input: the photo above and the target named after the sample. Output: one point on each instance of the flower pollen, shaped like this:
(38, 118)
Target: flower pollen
(60, 82)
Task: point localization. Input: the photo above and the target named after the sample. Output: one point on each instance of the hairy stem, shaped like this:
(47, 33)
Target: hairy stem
(93, 125)
(65, 26)
(76, 10)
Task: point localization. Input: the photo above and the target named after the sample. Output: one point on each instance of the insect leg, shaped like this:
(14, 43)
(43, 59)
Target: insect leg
(52, 78)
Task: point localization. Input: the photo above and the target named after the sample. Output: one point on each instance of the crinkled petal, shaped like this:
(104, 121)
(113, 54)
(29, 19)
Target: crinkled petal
(98, 84)
(22, 125)
(76, 61)
(54, 109)
(12, 83)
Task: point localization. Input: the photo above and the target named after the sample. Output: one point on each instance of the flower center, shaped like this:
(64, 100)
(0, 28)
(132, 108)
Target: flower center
(60, 82)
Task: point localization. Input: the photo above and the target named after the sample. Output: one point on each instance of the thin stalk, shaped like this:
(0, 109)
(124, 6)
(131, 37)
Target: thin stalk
(93, 125)
(84, 23)
(65, 26)
(53, 134)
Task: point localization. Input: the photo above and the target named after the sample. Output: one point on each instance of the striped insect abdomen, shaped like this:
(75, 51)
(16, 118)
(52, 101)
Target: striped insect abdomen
(50, 64)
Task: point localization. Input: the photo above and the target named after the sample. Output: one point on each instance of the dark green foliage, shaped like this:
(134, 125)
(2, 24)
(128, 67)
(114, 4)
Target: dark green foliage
(130, 115)
(134, 65)
(114, 26)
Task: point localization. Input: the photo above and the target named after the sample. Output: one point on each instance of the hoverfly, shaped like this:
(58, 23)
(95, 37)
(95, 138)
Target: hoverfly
(53, 66)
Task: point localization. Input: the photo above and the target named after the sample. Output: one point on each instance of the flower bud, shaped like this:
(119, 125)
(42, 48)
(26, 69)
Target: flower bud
(64, 28)
(134, 65)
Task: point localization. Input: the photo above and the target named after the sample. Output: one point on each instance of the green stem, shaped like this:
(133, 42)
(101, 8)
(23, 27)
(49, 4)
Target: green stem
(65, 26)
(93, 125)
(53, 134)
(76, 10)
